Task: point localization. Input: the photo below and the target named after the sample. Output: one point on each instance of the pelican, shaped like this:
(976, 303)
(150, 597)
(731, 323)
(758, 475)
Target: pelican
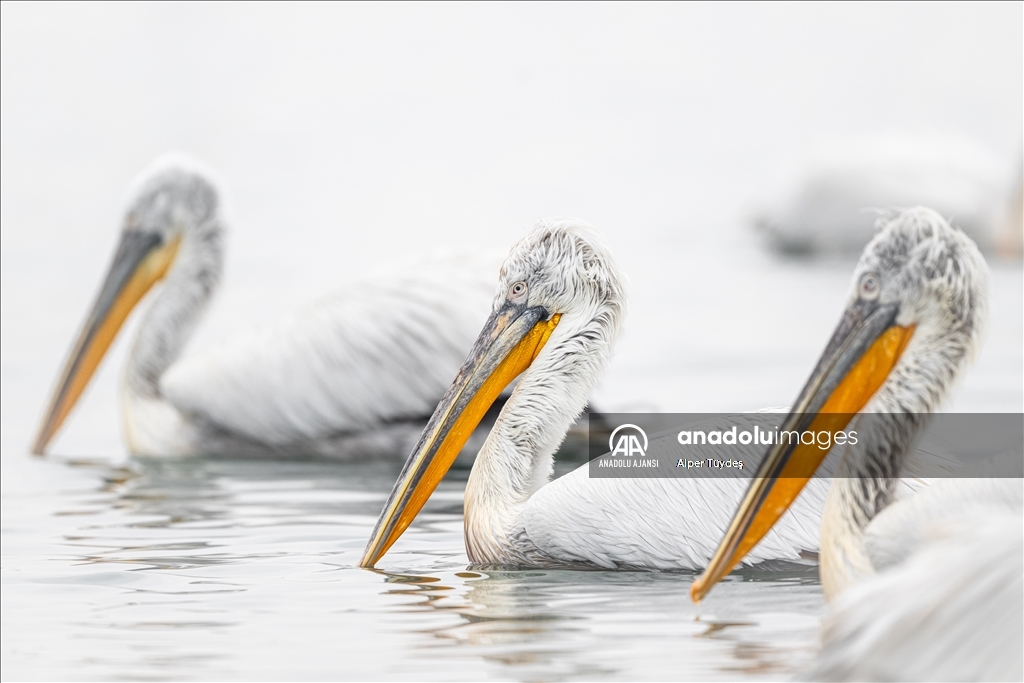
(927, 586)
(828, 205)
(349, 375)
(555, 317)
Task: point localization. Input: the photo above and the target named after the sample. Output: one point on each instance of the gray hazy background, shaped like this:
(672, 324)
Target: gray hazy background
(348, 135)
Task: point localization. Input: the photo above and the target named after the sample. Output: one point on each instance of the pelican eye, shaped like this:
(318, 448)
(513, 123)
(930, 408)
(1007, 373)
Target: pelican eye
(869, 286)
(517, 290)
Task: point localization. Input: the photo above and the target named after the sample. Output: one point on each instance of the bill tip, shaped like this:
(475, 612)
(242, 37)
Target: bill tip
(697, 591)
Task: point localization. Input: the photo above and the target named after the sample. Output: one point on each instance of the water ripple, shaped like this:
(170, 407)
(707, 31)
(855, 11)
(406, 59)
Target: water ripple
(204, 569)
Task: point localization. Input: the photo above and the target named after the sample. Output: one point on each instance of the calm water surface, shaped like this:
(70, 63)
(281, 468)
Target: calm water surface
(218, 569)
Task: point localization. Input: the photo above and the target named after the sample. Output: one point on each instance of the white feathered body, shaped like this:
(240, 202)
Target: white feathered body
(834, 201)
(947, 602)
(514, 517)
(663, 523)
(340, 376)
(657, 523)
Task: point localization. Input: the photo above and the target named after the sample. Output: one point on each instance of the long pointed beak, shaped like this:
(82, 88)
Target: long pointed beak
(509, 342)
(140, 261)
(858, 359)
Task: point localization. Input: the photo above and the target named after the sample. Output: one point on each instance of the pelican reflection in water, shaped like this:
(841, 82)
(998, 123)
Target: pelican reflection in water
(541, 624)
(929, 586)
(354, 374)
(555, 318)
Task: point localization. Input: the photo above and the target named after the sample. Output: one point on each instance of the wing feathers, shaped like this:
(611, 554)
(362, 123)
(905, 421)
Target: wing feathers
(383, 349)
(662, 523)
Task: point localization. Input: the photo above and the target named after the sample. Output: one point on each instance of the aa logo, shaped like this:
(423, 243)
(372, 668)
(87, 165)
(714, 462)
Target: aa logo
(628, 440)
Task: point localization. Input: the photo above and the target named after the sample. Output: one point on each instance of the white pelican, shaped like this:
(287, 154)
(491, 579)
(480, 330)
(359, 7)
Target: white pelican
(929, 586)
(555, 318)
(831, 203)
(343, 377)
(950, 606)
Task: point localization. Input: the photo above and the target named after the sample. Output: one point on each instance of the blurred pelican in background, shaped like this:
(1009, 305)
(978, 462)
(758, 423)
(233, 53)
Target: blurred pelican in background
(555, 318)
(929, 586)
(354, 374)
(832, 202)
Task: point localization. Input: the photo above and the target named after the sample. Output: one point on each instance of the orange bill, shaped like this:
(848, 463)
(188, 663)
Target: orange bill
(859, 358)
(141, 260)
(509, 343)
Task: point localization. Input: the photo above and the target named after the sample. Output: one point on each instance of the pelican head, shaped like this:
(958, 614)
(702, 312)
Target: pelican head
(173, 218)
(913, 321)
(556, 313)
